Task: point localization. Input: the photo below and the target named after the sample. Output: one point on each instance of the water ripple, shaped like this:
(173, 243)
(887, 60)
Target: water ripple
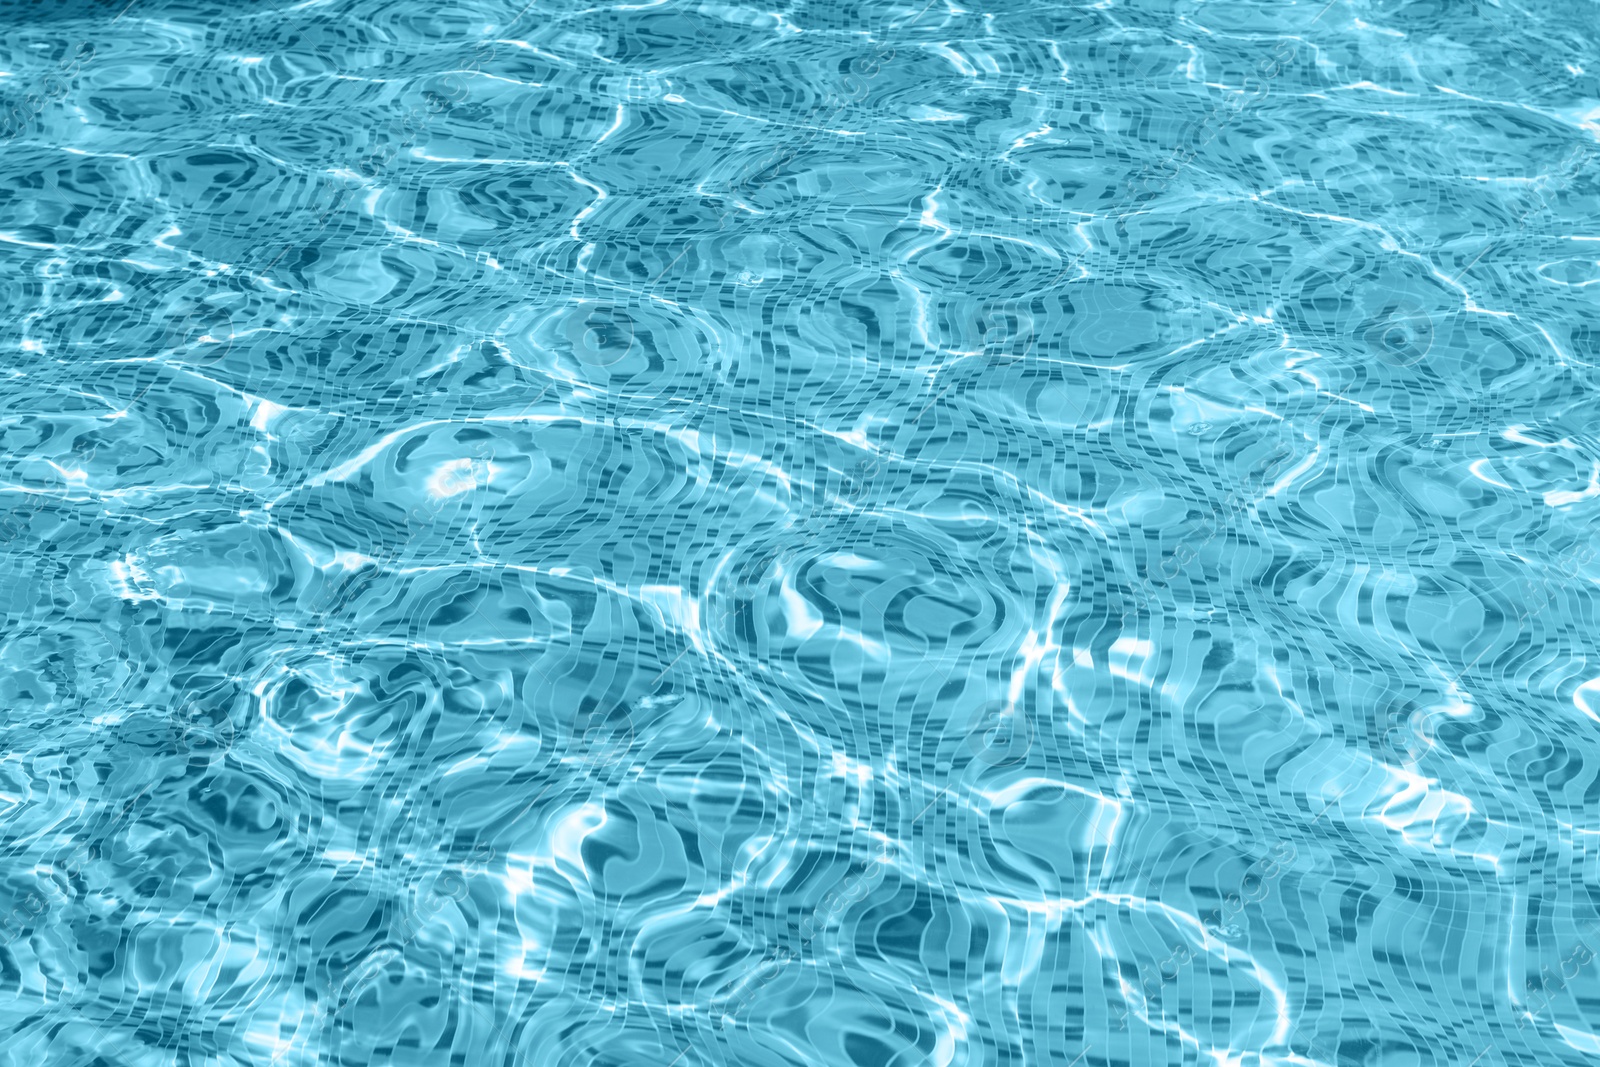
(848, 534)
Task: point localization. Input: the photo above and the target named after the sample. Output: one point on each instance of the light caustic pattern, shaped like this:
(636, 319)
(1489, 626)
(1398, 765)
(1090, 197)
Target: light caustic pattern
(880, 534)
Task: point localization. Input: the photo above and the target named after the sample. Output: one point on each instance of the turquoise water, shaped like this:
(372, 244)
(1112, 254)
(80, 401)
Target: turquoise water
(874, 534)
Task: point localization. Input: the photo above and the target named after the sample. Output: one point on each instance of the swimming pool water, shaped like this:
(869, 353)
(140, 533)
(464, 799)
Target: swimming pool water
(867, 534)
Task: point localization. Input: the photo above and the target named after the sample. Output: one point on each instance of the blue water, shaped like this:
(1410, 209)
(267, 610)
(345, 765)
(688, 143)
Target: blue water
(895, 535)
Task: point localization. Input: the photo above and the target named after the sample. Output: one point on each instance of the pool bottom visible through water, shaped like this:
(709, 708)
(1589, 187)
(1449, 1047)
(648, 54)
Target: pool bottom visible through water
(848, 534)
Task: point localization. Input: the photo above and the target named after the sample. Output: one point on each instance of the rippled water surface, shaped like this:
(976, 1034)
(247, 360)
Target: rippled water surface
(858, 533)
